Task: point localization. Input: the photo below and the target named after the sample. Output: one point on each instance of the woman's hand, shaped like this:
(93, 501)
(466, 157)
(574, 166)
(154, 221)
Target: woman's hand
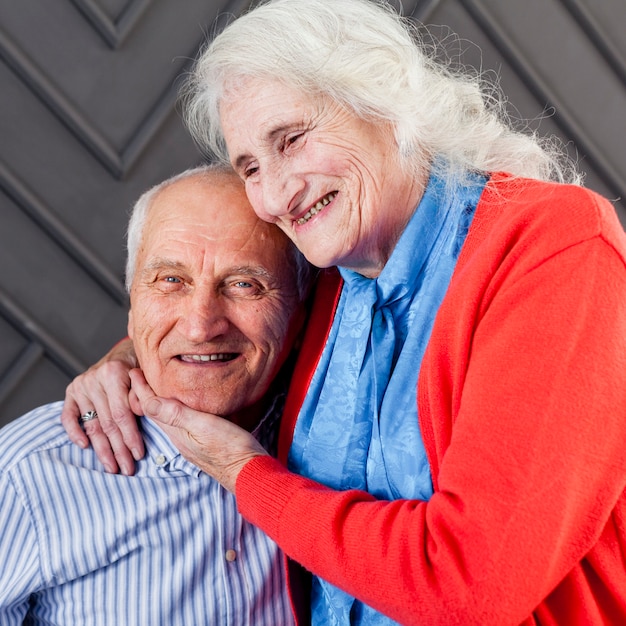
(105, 387)
(215, 445)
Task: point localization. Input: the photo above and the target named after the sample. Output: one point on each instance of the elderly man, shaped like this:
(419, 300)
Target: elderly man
(216, 302)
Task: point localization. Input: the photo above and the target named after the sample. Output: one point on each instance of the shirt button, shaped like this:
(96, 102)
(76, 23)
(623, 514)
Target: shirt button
(160, 459)
(230, 555)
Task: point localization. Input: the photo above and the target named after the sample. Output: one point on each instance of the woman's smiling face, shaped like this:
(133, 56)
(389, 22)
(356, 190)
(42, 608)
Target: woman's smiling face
(329, 179)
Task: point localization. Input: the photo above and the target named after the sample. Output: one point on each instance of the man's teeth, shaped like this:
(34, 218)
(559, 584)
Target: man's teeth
(314, 210)
(205, 358)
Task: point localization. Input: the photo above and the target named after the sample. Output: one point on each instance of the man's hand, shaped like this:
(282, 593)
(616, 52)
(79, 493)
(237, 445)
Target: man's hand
(217, 446)
(104, 387)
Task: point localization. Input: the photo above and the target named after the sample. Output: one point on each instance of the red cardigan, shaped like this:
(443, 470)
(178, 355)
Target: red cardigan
(522, 407)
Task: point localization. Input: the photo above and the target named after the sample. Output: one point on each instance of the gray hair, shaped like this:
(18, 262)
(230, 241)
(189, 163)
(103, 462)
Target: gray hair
(368, 58)
(303, 270)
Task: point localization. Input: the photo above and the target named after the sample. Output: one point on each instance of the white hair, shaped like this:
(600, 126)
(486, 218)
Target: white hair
(303, 271)
(369, 59)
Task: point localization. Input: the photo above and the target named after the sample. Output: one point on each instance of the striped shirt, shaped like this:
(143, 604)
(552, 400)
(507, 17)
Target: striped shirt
(163, 547)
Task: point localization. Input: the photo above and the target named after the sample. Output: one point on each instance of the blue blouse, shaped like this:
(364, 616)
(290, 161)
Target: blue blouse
(358, 427)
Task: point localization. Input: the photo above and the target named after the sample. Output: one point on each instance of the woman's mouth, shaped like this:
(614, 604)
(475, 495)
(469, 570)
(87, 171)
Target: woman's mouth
(316, 208)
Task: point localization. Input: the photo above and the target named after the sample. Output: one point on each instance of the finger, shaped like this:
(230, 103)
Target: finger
(126, 439)
(104, 434)
(70, 415)
(86, 394)
(117, 434)
(133, 400)
(101, 446)
(91, 430)
(142, 391)
(120, 425)
(110, 441)
(167, 412)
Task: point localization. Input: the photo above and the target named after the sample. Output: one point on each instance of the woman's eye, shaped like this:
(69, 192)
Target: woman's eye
(292, 139)
(249, 171)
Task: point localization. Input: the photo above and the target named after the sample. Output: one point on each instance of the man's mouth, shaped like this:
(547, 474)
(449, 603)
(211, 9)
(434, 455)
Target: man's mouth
(206, 358)
(317, 207)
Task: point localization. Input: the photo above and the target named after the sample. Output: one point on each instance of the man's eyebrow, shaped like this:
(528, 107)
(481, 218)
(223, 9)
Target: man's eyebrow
(161, 263)
(251, 270)
(255, 271)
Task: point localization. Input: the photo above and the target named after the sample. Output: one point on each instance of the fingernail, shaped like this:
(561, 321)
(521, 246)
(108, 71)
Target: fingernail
(81, 442)
(125, 470)
(109, 468)
(136, 454)
(152, 407)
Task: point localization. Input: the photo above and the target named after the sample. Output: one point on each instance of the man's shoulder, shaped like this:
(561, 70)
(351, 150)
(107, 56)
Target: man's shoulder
(35, 432)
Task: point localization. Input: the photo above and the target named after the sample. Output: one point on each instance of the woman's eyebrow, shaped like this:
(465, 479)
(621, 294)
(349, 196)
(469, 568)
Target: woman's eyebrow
(268, 138)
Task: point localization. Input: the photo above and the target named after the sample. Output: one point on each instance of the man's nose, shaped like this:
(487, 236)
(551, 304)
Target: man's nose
(205, 317)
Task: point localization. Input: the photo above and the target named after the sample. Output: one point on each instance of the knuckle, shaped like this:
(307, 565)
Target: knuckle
(176, 411)
(108, 427)
(92, 428)
(114, 369)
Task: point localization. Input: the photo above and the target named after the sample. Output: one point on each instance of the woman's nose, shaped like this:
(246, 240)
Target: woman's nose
(280, 191)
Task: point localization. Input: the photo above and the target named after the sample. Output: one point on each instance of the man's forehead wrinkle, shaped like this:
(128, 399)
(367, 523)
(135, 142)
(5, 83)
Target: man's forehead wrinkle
(195, 233)
(161, 262)
(232, 241)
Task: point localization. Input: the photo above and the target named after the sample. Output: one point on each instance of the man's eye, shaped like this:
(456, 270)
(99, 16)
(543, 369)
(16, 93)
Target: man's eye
(243, 289)
(171, 279)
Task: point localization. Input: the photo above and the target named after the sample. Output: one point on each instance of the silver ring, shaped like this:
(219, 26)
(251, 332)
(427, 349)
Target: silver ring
(90, 415)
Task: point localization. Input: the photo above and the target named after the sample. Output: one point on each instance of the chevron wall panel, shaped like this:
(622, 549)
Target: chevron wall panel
(89, 120)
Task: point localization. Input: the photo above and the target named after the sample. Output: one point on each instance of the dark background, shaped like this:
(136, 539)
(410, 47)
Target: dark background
(89, 120)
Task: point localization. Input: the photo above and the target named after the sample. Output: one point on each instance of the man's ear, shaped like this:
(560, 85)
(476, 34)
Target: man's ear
(129, 326)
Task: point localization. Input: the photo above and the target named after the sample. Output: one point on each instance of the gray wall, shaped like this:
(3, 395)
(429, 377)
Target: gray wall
(89, 120)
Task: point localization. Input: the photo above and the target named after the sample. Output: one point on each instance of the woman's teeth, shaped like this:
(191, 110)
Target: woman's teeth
(314, 210)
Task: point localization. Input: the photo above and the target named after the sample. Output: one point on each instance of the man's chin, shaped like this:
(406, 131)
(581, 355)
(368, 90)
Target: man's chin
(205, 405)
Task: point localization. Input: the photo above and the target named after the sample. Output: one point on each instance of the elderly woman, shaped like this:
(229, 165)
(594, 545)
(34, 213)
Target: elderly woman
(454, 435)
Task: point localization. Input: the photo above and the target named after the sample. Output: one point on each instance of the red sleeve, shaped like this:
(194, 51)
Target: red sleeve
(526, 484)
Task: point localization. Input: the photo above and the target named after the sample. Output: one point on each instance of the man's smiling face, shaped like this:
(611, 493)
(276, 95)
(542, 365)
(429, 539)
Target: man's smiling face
(214, 300)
